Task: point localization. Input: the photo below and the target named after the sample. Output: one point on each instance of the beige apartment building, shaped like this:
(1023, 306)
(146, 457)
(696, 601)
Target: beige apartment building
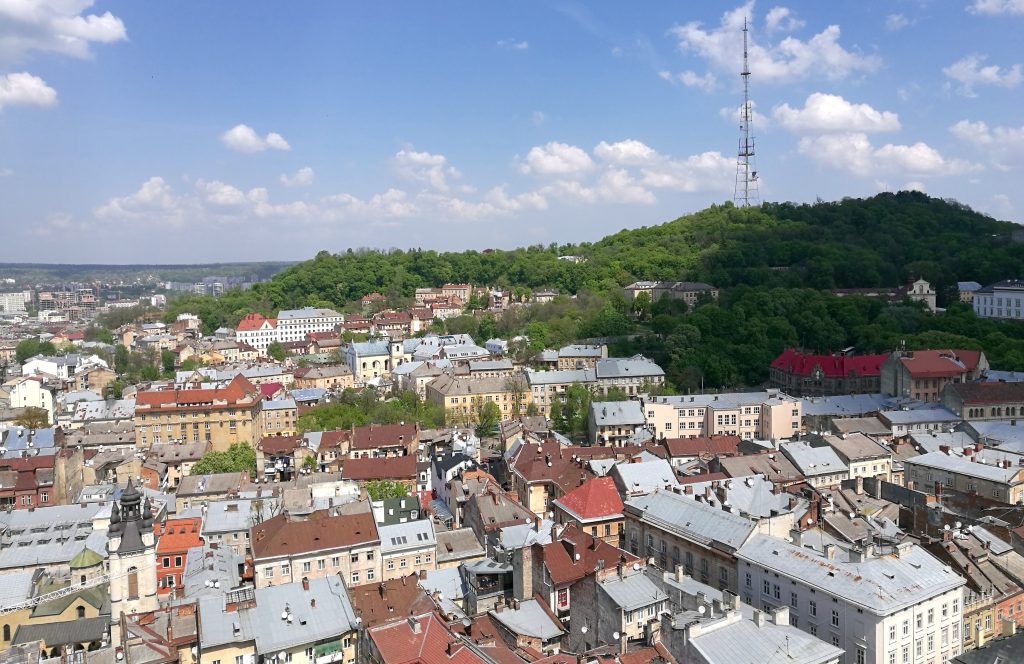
(220, 416)
(986, 472)
(767, 415)
(407, 548)
(462, 397)
(278, 418)
(286, 549)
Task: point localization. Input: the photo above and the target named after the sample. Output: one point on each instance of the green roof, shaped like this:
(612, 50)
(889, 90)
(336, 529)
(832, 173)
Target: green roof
(87, 558)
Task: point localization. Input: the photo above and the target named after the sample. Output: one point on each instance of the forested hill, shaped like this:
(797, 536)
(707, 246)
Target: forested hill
(885, 240)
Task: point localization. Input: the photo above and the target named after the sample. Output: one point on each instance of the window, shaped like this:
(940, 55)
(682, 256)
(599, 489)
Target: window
(748, 580)
(956, 606)
(919, 648)
(905, 654)
(813, 607)
(286, 569)
(563, 597)
(369, 555)
(793, 601)
(892, 632)
(166, 562)
(403, 562)
(354, 558)
(306, 566)
(906, 627)
(767, 590)
(370, 575)
(391, 564)
(177, 561)
(80, 612)
(835, 618)
(944, 639)
(269, 572)
(945, 611)
(335, 561)
(861, 655)
(775, 592)
(931, 617)
(133, 583)
(239, 659)
(920, 621)
(355, 577)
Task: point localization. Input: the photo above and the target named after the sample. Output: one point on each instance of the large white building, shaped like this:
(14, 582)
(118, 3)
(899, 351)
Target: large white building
(12, 303)
(768, 415)
(900, 606)
(1003, 299)
(295, 324)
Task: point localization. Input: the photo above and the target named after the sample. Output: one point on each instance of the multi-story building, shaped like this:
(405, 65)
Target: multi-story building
(174, 539)
(295, 324)
(221, 415)
(1002, 299)
(257, 331)
(462, 397)
(278, 418)
(921, 374)
(615, 422)
(983, 471)
(687, 291)
(985, 401)
(407, 548)
(581, 356)
(12, 303)
(864, 456)
(595, 508)
(808, 375)
(768, 415)
(632, 375)
(898, 605)
(372, 359)
(331, 377)
(286, 549)
(820, 466)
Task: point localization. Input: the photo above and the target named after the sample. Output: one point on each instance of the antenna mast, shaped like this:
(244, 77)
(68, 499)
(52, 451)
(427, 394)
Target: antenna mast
(745, 194)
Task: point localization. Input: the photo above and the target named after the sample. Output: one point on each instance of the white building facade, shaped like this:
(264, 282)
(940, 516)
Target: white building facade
(1003, 299)
(295, 324)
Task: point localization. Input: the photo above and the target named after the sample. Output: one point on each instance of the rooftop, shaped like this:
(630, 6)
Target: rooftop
(282, 536)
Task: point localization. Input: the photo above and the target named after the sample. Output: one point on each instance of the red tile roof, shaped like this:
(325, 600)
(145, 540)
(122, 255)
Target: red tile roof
(280, 444)
(383, 435)
(940, 363)
(554, 463)
(430, 643)
(252, 322)
(177, 535)
(268, 390)
(559, 557)
(596, 498)
(239, 388)
(395, 468)
(834, 366)
(708, 446)
(703, 477)
(379, 603)
(281, 536)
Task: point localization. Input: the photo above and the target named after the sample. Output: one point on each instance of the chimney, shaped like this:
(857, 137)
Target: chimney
(688, 490)
(797, 536)
(415, 625)
(830, 551)
(680, 575)
(312, 603)
(860, 485)
(944, 449)
(305, 583)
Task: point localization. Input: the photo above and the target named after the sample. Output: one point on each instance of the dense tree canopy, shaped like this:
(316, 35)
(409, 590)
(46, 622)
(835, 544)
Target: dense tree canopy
(367, 407)
(238, 458)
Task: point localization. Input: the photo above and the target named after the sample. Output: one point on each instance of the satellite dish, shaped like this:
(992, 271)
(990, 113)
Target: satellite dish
(959, 525)
(852, 515)
(584, 629)
(636, 567)
(284, 615)
(615, 635)
(702, 610)
(282, 655)
(946, 527)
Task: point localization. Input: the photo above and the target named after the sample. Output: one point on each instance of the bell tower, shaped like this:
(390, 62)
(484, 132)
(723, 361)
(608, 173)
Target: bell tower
(131, 557)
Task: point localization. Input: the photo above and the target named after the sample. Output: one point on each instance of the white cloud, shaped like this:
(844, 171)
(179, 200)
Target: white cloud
(513, 44)
(824, 113)
(556, 159)
(896, 22)
(996, 7)
(243, 138)
(1003, 145)
(853, 152)
(789, 60)
(54, 26)
(969, 71)
(691, 79)
(425, 167)
(153, 202)
(627, 153)
(537, 118)
(301, 178)
(781, 19)
(24, 89)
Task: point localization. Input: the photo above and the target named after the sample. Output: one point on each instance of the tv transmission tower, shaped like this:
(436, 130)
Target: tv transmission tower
(745, 194)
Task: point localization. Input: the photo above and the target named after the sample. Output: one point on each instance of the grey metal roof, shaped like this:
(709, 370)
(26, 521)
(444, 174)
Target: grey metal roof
(566, 376)
(753, 495)
(637, 366)
(279, 404)
(644, 477)
(881, 585)
(724, 400)
(846, 405)
(226, 516)
(744, 642)
(632, 591)
(581, 350)
(490, 365)
(306, 312)
(526, 534)
(406, 536)
(370, 348)
(692, 520)
(814, 461)
(617, 413)
(450, 582)
(16, 587)
(919, 416)
(206, 566)
(530, 619)
(81, 630)
(965, 466)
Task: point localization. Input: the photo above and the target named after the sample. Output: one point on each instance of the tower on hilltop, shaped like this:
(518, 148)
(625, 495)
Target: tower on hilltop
(745, 193)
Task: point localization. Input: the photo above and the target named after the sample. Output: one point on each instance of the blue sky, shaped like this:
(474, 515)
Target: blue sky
(197, 131)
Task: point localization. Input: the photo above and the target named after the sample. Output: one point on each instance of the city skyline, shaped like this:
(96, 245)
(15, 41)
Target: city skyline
(197, 133)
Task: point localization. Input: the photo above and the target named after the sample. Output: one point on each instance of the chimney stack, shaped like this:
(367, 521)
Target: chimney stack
(305, 583)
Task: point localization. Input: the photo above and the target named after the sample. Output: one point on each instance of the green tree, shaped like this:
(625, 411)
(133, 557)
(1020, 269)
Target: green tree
(121, 358)
(642, 305)
(238, 458)
(167, 361)
(276, 351)
(385, 489)
(32, 347)
(33, 418)
(488, 416)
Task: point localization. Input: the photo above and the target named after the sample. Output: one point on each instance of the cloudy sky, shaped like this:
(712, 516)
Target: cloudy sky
(199, 131)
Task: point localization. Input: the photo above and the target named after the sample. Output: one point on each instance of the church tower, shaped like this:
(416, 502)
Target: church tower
(131, 555)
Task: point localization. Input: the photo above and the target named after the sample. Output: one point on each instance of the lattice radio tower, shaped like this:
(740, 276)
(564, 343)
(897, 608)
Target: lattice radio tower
(745, 194)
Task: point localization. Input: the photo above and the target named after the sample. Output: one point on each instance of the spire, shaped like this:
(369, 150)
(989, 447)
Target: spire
(745, 193)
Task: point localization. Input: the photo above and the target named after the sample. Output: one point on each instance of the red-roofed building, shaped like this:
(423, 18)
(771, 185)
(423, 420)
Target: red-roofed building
(174, 538)
(595, 507)
(398, 469)
(257, 331)
(681, 451)
(802, 374)
(271, 391)
(220, 416)
(421, 639)
(921, 374)
(28, 482)
(553, 568)
(384, 440)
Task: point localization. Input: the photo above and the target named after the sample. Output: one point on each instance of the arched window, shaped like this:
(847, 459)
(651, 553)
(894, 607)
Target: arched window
(80, 612)
(7, 632)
